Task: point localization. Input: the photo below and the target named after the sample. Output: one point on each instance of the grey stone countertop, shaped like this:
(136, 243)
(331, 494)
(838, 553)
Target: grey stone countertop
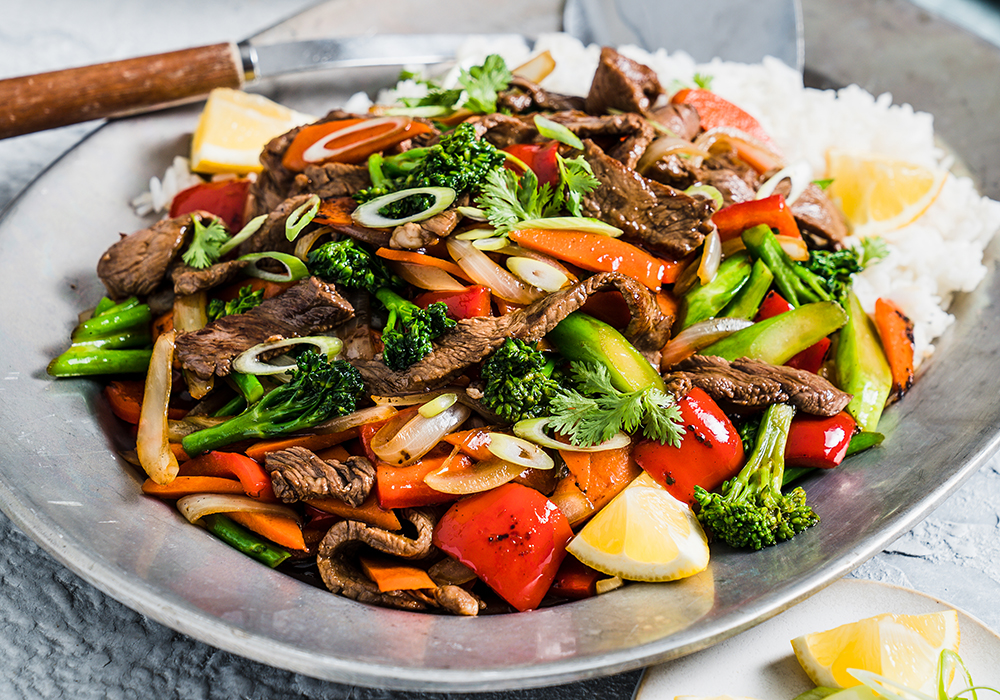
(61, 637)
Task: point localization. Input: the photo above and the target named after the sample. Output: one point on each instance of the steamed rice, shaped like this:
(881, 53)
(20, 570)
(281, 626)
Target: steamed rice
(929, 261)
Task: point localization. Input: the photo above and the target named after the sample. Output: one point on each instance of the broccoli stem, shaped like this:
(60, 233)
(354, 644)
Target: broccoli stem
(797, 284)
(248, 385)
(237, 536)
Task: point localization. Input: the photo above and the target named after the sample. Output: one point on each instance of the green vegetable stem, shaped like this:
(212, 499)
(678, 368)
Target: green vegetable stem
(114, 340)
(706, 301)
(861, 366)
(237, 536)
(747, 301)
(797, 284)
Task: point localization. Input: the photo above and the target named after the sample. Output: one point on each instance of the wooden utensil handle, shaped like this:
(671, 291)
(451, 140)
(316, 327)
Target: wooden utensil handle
(45, 101)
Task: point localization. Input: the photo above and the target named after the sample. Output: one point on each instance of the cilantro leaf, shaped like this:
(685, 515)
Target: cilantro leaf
(206, 243)
(577, 179)
(507, 198)
(482, 83)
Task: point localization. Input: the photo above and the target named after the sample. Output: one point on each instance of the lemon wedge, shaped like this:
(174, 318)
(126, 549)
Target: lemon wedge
(233, 129)
(879, 194)
(643, 534)
(903, 648)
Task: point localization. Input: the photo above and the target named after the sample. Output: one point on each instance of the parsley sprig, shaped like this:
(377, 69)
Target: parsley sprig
(595, 411)
(206, 244)
(479, 86)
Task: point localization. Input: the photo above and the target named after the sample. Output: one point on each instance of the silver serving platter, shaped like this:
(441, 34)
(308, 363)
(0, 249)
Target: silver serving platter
(62, 482)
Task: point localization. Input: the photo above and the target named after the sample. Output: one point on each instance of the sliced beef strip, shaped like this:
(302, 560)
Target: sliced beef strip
(138, 263)
(736, 181)
(189, 280)
(473, 339)
(331, 180)
(623, 137)
(298, 474)
(522, 95)
(681, 120)
(662, 218)
(622, 84)
(311, 306)
(819, 219)
(271, 235)
(504, 130)
(749, 384)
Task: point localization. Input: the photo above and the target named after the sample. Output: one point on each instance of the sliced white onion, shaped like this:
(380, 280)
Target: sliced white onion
(189, 312)
(755, 153)
(437, 405)
(427, 277)
(533, 430)
(537, 273)
(519, 451)
(197, 506)
(152, 445)
(697, 336)
(491, 243)
(708, 192)
(667, 145)
(799, 175)
(711, 257)
(248, 361)
(732, 246)
(305, 243)
(483, 476)
(478, 266)
(606, 585)
(585, 224)
(371, 414)
(795, 248)
(474, 213)
(403, 444)
(368, 213)
(536, 68)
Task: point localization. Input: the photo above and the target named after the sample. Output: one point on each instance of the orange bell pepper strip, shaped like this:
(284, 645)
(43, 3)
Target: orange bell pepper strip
(125, 398)
(277, 528)
(404, 487)
(773, 211)
(256, 482)
(896, 331)
(187, 485)
(348, 140)
(597, 253)
(474, 442)
(389, 575)
(258, 450)
(414, 258)
(369, 512)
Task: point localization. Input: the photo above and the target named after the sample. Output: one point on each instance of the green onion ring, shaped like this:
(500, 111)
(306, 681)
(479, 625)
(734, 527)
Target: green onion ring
(368, 213)
(295, 268)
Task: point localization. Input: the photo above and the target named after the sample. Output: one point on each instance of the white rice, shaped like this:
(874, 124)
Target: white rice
(178, 177)
(929, 260)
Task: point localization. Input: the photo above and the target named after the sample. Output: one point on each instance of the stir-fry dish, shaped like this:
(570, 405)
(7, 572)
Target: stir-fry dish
(495, 347)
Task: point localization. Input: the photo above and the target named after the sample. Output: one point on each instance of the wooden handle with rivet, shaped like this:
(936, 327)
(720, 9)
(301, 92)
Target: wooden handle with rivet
(48, 100)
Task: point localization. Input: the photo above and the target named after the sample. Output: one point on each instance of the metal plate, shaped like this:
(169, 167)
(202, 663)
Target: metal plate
(61, 482)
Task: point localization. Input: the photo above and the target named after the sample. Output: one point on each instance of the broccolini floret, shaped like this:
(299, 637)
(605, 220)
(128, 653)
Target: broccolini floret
(836, 267)
(245, 300)
(349, 264)
(750, 510)
(518, 381)
(409, 329)
(318, 390)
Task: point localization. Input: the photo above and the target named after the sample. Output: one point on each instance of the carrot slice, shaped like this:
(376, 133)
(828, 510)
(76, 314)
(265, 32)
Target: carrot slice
(347, 140)
(125, 398)
(369, 512)
(256, 482)
(393, 576)
(414, 258)
(597, 253)
(277, 528)
(258, 450)
(187, 485)
(896, 331)
(474, 442)
(335, 211)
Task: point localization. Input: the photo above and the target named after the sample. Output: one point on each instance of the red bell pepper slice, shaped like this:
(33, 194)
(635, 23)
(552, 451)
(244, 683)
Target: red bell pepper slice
(470, 302)
(540, 157)
(810, 359)
(512, 536)
(772, 211)
(575, 580)
(818, 441)
(226, 199)
(714, 112)
(710, 452)
(256, 482)
(404, 487)
(348, 140)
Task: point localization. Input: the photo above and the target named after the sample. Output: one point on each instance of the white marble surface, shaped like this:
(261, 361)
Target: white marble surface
(60, 637)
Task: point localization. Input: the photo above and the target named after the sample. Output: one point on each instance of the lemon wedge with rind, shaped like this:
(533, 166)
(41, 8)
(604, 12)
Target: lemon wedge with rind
(233, 129)
(643, 534)
(903, 648)
(879, 194)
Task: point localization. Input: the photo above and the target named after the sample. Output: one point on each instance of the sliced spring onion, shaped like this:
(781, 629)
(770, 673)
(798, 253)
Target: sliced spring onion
(711, 257)
(400, 443)
(798, 174)
(427, 277)
(371, 414)
(585, 224)
(482, 270)
(492, 244)
(249, 362)
(697, 336)
(196, 506)
(474, 213)
(437, 405)
(483, 476)
(519, 451)
(305, 243)
(152, 445)
(295, 269)
(537, 273)
(425, 111)
(554, 130)
(248, 230)
(533, 430)
(709, 192)
(476, 234)
(408, 400)
(368, 213)
(795, 248)
(301, 217)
